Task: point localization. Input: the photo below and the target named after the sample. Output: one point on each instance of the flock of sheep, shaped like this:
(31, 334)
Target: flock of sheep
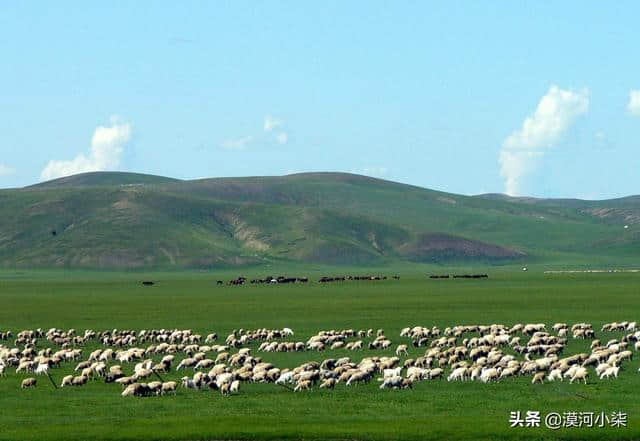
(137, 361)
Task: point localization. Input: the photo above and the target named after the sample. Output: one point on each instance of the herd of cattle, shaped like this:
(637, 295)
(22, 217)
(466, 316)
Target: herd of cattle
(286, 279)
(137, 362)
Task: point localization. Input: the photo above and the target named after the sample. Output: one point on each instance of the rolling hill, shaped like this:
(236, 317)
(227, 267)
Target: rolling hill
(124, 220)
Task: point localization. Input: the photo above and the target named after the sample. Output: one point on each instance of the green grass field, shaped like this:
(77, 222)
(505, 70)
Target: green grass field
(431, 410)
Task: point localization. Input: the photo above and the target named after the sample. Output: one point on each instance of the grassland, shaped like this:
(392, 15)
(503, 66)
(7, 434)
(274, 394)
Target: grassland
(130, 221)
(432, 410)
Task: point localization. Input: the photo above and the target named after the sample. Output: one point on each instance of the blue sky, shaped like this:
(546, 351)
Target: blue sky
(436, 94)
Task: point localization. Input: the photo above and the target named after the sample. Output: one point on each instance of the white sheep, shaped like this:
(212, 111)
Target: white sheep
(555, 374)
(125, 381)
(571, 371)
(169, 386)
(28, 382)
(580, 374)
(489, 374)
(25, 366)
(392, 382)
(185, 363)
(613, 370)
(436, 373)
(42, 369)
(602, 367)
(417, 373)
(387, 373)
(225, 378)
(188, 383)
(508, 372)
(457, 374)
(286, 377)
(329, 383)
(538, 378)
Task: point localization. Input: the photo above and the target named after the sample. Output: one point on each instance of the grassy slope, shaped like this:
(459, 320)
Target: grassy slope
(432, 410)
(320, 217)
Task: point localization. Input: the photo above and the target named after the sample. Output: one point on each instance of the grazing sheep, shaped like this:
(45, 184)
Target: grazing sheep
(285, 377)
(28, 382)
(457, 374)
(155, 387)
(188, 383)
(329, 383)
(489, 374)
(613, 370)
(401, 349)
(580, 374)
(80, 380)
(555, 374)
(602, 367)
(302, 385)
(571, 371)
(358, 377)
(417, 373)
(316, 345)
(625, 355)
(225, 378)
(143, 373)
(87, 372)
(538, 378)
(25, 366)
(392, 372)
(234, 388)
(222, 356)
(83, 365)
(126, 381)
(99, 368)
(436, 373)
(136, 390)
(67, 381)
(206, 363)
(508, 372)
(185, 363)
(169, 386)
(392, 382)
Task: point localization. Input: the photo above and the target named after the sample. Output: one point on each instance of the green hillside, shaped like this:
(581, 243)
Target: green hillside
(125, 220)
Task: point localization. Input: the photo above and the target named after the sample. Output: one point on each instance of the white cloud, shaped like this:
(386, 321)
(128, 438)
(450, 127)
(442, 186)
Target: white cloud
(282, 138)
(271, 135)
(555, 113)
(271, 123)
(5, 170)
(107, 146)
(237, 144)
(634, 102)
